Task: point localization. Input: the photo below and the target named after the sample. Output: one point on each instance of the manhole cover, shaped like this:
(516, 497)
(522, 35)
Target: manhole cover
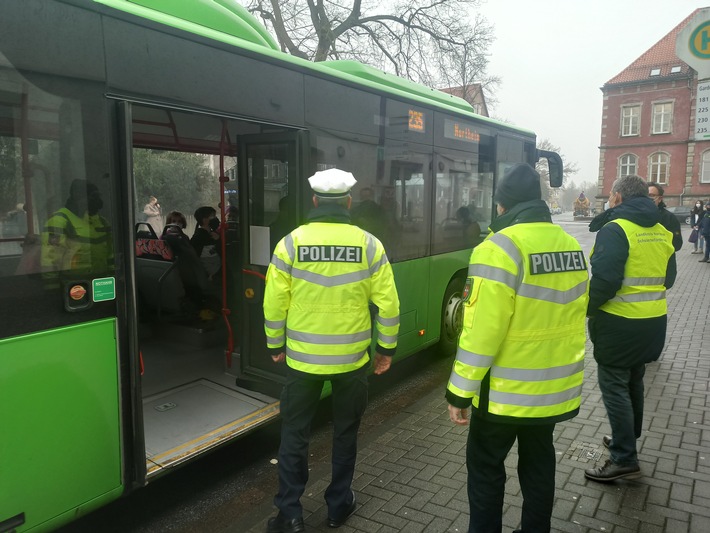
(584, 452)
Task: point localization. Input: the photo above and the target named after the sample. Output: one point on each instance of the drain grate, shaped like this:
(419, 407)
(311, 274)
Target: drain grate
(584, 452)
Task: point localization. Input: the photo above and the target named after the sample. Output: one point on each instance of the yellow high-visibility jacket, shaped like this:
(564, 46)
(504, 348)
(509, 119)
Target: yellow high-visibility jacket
(524, 326)
(82, 245)
(643, 292)
(321, 279)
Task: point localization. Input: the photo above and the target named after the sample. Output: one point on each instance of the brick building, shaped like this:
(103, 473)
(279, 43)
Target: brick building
(473, 94)
(648, 121)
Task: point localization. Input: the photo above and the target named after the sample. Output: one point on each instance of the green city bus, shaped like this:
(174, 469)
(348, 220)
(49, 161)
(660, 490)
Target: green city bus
(120, 357)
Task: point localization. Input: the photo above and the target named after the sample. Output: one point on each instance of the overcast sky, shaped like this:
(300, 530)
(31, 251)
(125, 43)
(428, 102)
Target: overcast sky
(554, 55)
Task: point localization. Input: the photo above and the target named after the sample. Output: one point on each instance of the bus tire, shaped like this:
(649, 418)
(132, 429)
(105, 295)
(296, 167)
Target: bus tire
(451, 317)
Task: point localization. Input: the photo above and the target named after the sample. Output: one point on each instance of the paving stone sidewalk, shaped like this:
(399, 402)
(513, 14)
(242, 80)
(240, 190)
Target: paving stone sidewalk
(412, 477)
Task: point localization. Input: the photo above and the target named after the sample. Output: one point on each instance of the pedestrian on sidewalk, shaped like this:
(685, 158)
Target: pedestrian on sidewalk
(704, 232)
(633, 264)
(668, 219)
(696, 215)
(320, 283)
(520, 358)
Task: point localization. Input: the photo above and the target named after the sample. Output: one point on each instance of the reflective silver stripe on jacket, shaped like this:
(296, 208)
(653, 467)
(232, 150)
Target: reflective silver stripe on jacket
(473, 359)
(374, 268)
(278, 341)
(280, 264)
(330, 281)
(321, 338)
(467, 385)
(324, 360)
(508, 246)
(639, 297)
(494, 274)
(275, 324)
(371, 248)
(388, 321)
(290, 248)
(535, 400)
(537, 374)
(386, 339)
(631, 282)
(552, 295)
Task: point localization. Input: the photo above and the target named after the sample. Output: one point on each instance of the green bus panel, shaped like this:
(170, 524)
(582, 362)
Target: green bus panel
(60, 448)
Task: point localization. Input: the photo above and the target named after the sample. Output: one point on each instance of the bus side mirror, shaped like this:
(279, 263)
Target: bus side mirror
(554, 165)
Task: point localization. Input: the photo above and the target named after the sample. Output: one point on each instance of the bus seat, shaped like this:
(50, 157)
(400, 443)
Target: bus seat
(157, 277)
(193, 274)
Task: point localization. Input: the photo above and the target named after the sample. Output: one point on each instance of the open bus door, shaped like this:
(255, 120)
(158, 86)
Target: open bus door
(272, 170)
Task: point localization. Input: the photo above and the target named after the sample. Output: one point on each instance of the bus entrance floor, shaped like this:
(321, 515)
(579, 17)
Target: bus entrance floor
(411, 475)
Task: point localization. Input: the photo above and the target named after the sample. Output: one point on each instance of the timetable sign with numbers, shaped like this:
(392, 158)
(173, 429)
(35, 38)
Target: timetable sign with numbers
(702, 112)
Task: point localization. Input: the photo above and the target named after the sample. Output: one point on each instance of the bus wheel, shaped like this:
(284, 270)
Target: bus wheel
(451, 317)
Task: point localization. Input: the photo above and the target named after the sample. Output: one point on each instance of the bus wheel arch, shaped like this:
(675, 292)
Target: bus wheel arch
(451, 315)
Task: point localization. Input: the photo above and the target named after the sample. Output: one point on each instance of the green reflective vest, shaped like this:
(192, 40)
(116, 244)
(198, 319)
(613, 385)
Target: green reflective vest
(643, 292)
(319, 284)
(524, 323)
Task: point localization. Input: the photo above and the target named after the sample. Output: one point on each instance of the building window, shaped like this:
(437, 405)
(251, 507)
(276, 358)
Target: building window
(659, 166)
(655, 72)
(630, 120)
(705, 170)
(627, 165)
(662, 117)
(675, 70)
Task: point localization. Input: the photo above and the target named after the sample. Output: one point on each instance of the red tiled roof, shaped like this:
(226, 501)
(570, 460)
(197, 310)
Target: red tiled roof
(660, 56)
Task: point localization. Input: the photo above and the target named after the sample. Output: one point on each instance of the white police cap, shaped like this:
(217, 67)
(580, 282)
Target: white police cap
(332, 183)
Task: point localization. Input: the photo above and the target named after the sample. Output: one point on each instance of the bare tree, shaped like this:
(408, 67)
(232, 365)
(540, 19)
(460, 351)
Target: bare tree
(569, 169)
(415, 39)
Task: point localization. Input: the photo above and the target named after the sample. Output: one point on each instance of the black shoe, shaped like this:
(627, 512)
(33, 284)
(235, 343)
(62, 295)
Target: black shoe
(333, 522)
(702, 261)
(281, 524)
(606, 441)
(611, 471)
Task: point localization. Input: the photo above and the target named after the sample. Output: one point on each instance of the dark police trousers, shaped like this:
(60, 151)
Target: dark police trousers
(488, 445)
(299, 401)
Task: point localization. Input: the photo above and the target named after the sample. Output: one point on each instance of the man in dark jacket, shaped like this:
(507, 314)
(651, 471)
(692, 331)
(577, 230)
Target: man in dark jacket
(633, 263)
(668, 219)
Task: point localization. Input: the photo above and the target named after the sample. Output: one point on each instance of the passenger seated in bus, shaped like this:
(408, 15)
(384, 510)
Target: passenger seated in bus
(76, 238)
(206, 240)
(199, 289)
(470, 229)
(175, 224)
(369, 215)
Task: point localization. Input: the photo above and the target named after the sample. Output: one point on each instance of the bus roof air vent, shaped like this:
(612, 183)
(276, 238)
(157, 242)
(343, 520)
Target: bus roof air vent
(225, 16)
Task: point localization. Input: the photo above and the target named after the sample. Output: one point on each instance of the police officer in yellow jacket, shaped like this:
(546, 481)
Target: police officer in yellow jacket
(633, 263)
(520, 359)
(76, 240)
(319, 286)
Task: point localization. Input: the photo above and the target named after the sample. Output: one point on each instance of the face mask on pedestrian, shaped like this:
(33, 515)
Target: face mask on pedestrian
(697, 205)
(606, 205)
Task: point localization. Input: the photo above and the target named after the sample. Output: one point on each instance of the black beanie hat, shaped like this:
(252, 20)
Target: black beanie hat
(520, 183)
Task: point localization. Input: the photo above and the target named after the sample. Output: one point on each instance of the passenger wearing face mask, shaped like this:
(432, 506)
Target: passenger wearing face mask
(206, 240)
(704, 232)
(696, 215)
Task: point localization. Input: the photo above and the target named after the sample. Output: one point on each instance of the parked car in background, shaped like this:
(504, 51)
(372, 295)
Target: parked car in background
(682, 213)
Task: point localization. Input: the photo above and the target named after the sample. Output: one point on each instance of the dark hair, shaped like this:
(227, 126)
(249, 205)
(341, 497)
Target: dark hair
(657, 186)
(697, 209)
(204, 212)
